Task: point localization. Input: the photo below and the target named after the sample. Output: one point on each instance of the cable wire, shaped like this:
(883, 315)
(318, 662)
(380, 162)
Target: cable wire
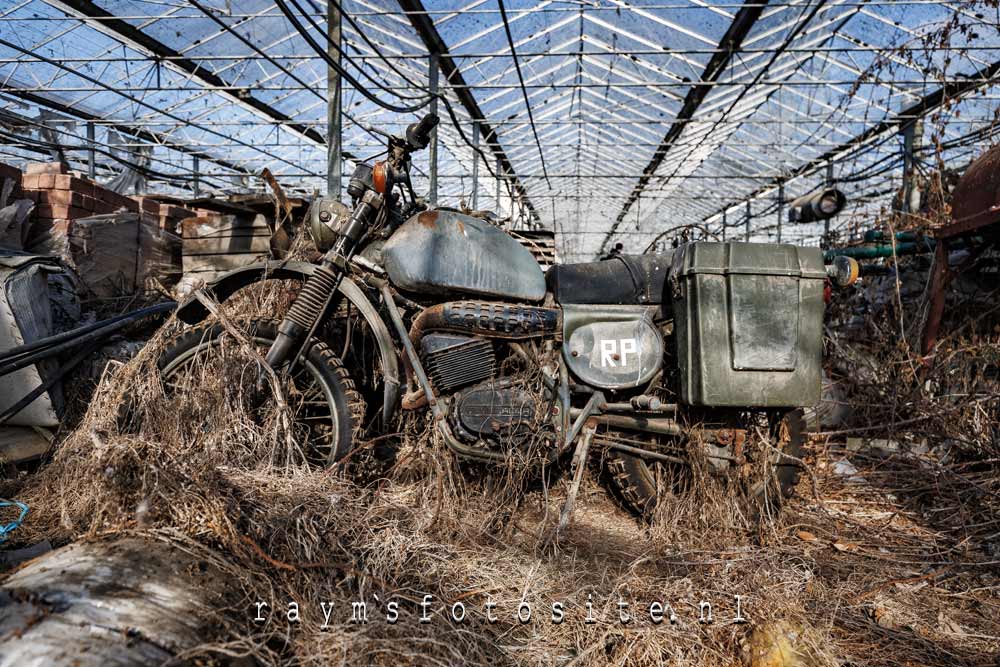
(524, 90)
(330, 61)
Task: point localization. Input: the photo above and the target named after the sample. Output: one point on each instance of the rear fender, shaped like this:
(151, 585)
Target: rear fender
(192, 311)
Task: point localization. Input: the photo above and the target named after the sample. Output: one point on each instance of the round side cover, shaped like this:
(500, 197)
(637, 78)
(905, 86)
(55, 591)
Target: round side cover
(442, 252)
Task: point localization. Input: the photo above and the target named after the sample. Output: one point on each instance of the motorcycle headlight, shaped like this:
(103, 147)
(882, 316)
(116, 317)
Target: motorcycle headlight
(326, 217)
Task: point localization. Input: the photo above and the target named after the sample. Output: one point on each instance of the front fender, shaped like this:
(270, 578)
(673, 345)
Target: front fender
(192, 311)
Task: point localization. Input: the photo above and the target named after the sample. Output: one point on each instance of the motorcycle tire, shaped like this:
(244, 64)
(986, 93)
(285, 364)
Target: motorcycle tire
(320, 372)
(633, 481)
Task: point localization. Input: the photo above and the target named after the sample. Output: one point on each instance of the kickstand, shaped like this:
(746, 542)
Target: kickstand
(579, 464)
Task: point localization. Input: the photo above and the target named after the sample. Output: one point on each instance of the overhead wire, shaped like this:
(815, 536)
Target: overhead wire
(343, 52)
(306, 86)
(524, 90)
(332, 63)
(299, 28)
(457, 124)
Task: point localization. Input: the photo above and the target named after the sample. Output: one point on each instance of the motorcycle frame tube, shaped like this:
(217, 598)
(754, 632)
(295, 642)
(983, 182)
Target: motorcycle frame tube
(192, 311)
(418, 370)
(657, 425)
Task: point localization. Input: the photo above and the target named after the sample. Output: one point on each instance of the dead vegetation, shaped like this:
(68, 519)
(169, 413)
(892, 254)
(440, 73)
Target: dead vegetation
(882, 559)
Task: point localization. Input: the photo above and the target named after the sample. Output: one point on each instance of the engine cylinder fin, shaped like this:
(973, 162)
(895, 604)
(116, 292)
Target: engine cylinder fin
(455, 361)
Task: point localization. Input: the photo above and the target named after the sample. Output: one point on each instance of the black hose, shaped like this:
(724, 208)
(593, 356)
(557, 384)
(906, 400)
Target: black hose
(58, 338)
(48, 384)
(54, 345)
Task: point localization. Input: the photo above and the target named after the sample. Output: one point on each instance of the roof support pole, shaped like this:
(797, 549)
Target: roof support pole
(912, 133)
(781, 207)
(334, 158)
(475, 165)
(748, 220)
(499, 180)
(432, 84)
(723, 226)
(429, 35)
(825, 241)
(91, 154)
(196, 177)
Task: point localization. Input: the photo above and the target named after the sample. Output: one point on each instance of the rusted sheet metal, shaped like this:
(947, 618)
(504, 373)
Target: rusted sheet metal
(939, 280)
(131, 601)
(446, 252)
(976, 200)
(279, 192)
(25, 317)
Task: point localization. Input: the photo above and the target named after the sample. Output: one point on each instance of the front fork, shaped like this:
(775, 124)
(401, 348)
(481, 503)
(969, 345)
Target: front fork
(309, 308)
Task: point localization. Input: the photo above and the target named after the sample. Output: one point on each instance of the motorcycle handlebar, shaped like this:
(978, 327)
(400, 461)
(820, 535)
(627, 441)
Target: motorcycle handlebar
(418, 134)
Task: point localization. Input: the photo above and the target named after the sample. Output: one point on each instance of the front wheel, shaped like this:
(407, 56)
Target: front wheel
(206, 364)
(638, 483)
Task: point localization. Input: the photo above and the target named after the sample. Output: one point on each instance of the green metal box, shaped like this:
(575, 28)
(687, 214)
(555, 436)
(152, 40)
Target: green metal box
(748, 321)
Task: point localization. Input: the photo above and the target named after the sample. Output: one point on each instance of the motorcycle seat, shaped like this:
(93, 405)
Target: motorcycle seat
(621, 280)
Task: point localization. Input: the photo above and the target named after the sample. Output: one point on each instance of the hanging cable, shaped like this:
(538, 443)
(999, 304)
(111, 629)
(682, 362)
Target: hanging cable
(339, 69)
(231, 30)
(343, 54)
(374, 47)
(443, 98)
(524, 90)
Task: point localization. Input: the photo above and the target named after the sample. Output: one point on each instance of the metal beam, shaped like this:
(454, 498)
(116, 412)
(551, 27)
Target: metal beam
(951, 90)
(334, 145)
(426, 30)
(730, 44)
(105, 22)
(432, 148)
(475, 165)
(148, 136)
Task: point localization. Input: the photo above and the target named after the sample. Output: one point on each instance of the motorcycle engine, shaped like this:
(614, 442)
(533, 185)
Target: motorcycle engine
(501, 412)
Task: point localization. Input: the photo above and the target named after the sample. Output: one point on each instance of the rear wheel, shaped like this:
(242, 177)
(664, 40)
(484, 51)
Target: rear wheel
(206, 364)
(640, 484)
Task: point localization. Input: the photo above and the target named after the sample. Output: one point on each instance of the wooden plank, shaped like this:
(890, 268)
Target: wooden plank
(194, 263)
(22, 443)
(227, 245)
(224, 225)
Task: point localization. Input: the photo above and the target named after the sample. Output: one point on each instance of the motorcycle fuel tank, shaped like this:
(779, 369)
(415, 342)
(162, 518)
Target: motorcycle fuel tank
(441, 252)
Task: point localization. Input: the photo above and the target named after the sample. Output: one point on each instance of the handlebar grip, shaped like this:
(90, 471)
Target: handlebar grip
(418, 134)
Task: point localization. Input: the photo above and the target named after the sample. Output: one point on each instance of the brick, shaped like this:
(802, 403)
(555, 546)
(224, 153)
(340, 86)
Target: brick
(45, 168)
(70, 182)
(115, 199)
(176, 212)
(38, 181)
(64, 198)
(57, 211)
(102, 207)
(148, 204)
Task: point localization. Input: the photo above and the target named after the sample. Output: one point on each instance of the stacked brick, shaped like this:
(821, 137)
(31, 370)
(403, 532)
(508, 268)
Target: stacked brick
(118, 244)
(60, 199)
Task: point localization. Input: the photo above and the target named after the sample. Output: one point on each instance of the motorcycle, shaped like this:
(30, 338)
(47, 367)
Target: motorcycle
(706, 352)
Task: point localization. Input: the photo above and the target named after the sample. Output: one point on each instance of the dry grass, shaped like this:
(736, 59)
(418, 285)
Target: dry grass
(888, 565)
